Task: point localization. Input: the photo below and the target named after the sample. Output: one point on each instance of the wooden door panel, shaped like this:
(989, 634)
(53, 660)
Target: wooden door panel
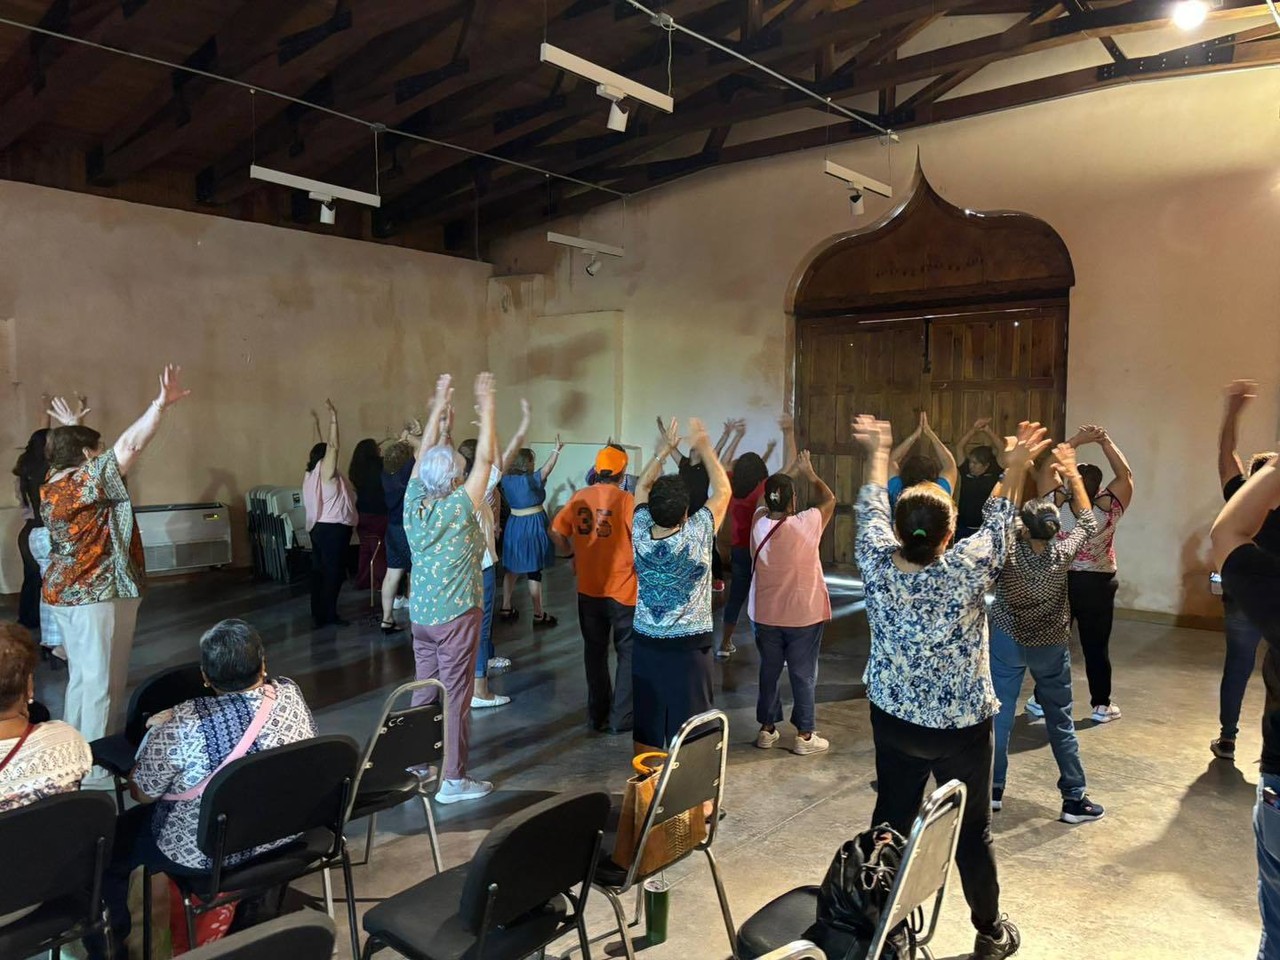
(1006, 362)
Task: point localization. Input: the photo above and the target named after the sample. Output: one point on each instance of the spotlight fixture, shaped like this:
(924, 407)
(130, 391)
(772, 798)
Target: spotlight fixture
(1189, 14)
(324, 193)
(328, 212)
(859, 184)
(593, 263)
(613, 87)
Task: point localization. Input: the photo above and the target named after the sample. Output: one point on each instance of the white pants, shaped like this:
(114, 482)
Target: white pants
(98, 639)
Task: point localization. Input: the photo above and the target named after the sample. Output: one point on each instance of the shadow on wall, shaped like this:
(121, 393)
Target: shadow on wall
(1195, 598)
(568, 362)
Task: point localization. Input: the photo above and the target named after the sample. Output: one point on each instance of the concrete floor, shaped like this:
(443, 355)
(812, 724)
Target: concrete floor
(1169, 873)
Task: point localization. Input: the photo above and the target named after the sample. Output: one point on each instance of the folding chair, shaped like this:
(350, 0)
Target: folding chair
(55, 850)
(514, 897)
(160, 691)
(692, 775)
(923, 875)
(300, 790)
(298, 936)
(403, 741)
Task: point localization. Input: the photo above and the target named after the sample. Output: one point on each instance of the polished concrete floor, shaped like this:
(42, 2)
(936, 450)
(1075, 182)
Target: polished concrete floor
(1169, 872)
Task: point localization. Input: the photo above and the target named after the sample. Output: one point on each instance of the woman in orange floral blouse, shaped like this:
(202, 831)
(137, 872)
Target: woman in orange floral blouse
(96, 573)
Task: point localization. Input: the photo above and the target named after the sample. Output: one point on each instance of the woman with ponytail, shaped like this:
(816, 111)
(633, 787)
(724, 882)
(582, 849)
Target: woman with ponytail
(1031, 630)
(928, 678)
(789, 605)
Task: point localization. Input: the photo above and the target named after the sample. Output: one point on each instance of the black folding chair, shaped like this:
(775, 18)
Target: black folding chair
(298, 936)
(404, 741)
(55, 852)
(926, 866)
(161, 691)
(692, 775)
(301, 789)
(514, 897)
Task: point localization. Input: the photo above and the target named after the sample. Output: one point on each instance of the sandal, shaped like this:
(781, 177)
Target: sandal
(725, 654)
(389, 628)
(545, 620)
(508, 614)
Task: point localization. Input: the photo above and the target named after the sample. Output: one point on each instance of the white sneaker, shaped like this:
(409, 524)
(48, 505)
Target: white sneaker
(497, 700)
(1106, 713)
(1034, 709)
(453, 791)
(399, 603)
(815, 744)
(499, 664)
(765, 739)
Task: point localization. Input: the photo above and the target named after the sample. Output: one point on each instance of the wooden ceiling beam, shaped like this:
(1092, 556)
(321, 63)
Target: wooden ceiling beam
(72, 65)
(1077, 8)
(30, 57)
(293, 65)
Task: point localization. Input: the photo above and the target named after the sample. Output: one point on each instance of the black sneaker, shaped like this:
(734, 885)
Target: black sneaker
(1081, 811)
(1004, 943)
(1223, 749)
(997, 798)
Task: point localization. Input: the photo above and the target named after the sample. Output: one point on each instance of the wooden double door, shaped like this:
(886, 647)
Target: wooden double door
(1007, 362)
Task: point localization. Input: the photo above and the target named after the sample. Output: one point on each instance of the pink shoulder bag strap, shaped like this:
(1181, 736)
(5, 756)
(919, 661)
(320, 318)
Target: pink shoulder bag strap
(772, 530)
(244, 746)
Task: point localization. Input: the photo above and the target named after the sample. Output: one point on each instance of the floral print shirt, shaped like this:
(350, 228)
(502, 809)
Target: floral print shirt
(96, 551)
(929, 662)
(447, 544)
(191, 741)
(674, 576)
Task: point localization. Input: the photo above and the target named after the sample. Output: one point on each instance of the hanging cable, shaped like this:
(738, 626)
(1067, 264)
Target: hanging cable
(668, 23)
(255, 88)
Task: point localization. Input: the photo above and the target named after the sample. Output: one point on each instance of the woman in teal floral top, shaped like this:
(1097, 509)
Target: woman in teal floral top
(96, 572)
(446, 602)
(928, 677)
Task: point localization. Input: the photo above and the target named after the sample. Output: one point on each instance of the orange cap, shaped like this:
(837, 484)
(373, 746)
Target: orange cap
(611, 462)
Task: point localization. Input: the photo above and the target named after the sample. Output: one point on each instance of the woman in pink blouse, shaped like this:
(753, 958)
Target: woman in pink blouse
(331, 514)
(789, 605)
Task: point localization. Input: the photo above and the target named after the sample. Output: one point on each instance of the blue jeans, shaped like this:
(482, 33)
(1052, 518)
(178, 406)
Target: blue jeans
(1051, 669)
(486, 624)
(739, 583)
(797, 648)
(1266, 829)
(1237, 667)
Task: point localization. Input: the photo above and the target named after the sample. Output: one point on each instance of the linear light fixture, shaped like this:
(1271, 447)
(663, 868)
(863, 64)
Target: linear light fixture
(579, 243)
(319, 190)
(858, 180)
(612, 86)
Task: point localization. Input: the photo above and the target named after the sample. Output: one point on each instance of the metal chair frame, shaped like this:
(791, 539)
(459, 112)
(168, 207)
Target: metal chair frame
(634, 879)
(945, 805)
(424, 792)
(796, 950)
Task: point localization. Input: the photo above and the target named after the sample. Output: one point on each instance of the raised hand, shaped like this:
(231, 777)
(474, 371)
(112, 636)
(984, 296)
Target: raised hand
(874, 436)
(171, 389)
(61, 411)
(484, 390)
(698, 436)
(559, 443)
(668, 439)
(333, 411)
(982, 424)
(1031, 441)
(804, 463)
(740, 426)
(1064, 455)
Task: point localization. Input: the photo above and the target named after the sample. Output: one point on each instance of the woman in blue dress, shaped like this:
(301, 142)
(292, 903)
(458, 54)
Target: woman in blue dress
(526, 547)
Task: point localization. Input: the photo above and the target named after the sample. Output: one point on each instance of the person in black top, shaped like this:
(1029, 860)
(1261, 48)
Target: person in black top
(694, 474)
(979, 474)
(1242, 636)
(29, 473)
(1251, 574)
(365, 474)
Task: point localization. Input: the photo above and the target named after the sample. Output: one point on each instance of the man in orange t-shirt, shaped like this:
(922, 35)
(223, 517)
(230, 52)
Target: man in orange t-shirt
(594, 527)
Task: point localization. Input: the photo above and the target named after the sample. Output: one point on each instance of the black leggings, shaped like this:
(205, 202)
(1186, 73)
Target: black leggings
(329, 542)
(1093, 607)
(906, 756)
(29, 600)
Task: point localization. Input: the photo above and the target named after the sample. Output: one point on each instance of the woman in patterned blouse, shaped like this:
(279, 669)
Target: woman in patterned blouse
(96, 572)
(928, 677)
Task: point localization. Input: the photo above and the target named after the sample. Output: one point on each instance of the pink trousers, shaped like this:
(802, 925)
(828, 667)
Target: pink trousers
(447, 652)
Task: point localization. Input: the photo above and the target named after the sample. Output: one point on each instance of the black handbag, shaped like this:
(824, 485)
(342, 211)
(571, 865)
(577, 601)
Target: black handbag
(854, 895)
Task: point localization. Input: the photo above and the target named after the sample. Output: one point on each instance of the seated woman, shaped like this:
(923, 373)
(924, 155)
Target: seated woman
(186, 746)
(37, 760)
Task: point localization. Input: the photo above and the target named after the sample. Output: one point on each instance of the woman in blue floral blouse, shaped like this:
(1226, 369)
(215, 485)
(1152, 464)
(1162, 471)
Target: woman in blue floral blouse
(928, 677)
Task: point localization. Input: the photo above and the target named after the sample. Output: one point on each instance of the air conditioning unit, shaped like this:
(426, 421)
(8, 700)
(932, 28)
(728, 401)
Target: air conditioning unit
(180, 537)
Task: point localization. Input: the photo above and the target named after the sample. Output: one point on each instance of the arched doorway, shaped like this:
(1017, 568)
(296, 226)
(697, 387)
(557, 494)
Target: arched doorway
(933, 308)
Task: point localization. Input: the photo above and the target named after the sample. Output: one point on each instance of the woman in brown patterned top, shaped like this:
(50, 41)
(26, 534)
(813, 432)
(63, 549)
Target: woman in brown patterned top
(96, 571)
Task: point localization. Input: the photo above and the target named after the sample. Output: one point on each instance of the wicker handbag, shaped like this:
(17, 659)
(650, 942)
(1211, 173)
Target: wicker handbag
(668, 841)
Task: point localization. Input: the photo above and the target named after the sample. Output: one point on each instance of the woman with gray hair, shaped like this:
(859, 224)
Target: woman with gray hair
(446, 599)
(245, 712)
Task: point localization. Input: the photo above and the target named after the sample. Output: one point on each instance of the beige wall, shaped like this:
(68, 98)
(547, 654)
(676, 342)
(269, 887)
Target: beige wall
(96, 294)
(1167, 194)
